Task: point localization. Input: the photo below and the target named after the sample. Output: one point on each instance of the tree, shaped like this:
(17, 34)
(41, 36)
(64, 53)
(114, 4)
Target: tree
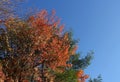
(34, 45)
(37, 48)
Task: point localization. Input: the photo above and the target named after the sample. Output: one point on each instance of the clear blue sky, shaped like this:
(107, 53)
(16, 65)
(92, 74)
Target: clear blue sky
(97, 24)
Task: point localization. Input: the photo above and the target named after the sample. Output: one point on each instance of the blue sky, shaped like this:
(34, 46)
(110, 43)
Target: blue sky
(97, 24)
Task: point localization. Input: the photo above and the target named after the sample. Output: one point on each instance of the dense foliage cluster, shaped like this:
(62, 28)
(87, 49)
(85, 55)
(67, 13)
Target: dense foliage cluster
(36, 49)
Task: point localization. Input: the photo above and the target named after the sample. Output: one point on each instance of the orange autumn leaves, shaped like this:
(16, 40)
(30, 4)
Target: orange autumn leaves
(49, 39)
(46, 36)
(40, 40)
(81, 76)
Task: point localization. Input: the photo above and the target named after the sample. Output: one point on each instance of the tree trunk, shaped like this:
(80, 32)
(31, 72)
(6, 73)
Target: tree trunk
(42, 72)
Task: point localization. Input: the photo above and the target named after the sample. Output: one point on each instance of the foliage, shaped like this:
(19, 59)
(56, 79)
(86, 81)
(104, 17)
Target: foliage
(37, 48)
(72, 72)
(28, 48)
(67, 76)
(81, 63)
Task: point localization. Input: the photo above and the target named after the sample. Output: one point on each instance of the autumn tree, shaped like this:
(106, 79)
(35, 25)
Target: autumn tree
(30, 49)
(37, 48)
